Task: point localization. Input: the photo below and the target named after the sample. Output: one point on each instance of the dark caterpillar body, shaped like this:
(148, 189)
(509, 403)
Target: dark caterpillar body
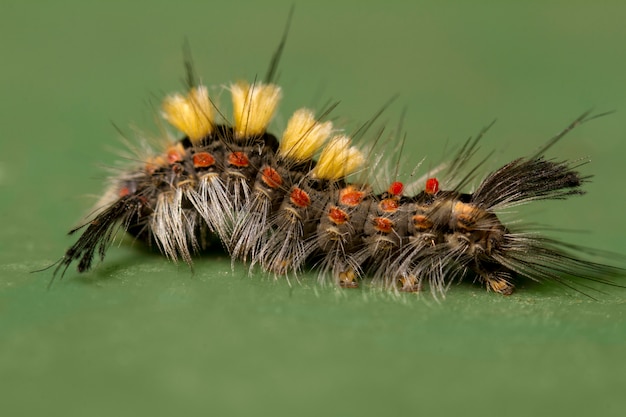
(272, 204)
(286, 202)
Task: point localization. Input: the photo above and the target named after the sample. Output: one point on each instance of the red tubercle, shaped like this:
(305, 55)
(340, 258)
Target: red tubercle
(422, 223)
(337, 216)
(396, 188)
(123, 192)
(383, 224)
(350, 196)
(203, 160)
(238, 159)
(271, 177)
(432, 186)
(300, 198)
(174, 155)
(389, 205)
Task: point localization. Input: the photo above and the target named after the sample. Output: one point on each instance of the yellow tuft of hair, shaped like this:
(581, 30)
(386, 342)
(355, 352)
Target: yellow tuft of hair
(303, 136)
(253, 107)
(192, 115)
(338, 159)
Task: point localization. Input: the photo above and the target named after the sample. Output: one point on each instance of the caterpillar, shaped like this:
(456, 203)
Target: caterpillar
(300, 198)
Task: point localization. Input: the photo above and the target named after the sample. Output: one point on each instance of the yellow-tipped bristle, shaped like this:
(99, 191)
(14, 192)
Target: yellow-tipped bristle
(253, 107)
(303, 136)
(192, 115)
(338, 159)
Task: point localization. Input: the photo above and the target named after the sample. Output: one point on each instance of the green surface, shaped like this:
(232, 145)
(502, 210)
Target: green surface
(141, 336)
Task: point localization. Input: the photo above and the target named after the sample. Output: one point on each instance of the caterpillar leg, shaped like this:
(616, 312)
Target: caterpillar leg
(348, 279)
(496, 277)
(409, 283)
(500, 283)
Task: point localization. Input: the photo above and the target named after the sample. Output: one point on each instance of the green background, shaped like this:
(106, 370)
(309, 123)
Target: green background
(139, 335)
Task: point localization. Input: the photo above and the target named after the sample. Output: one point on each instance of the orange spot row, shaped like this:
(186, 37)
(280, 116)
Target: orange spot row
(422, 223)
(238, 159)
(124, 192)
(350, 196)
(383, 224)
(203, 160)
(389, 205)
(175, 153)
(337, 215)
(271, 177)
(299, 198)
(396, 188)
(432, 186)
